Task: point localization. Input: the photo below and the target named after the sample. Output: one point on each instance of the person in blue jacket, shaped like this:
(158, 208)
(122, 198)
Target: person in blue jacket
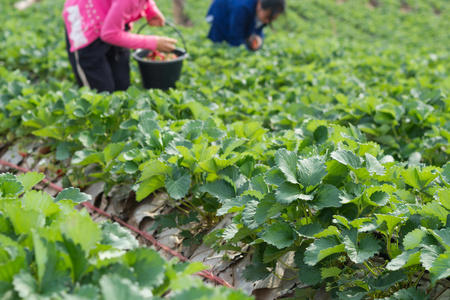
(240, 22)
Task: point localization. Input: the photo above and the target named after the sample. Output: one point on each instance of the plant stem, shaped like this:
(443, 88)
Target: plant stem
(289, 267)
(370, 269)
(284, 279)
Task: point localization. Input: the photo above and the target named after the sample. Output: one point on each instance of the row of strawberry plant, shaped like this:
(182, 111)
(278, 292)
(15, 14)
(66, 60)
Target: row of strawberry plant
(49, 250)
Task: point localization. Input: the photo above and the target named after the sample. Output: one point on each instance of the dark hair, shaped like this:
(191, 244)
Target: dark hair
(275, 6)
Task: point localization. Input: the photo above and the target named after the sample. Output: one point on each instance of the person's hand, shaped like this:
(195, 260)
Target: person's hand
(157, 20)
(255, 42)
(165, 44)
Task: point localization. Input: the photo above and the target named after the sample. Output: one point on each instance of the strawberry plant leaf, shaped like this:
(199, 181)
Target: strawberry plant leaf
(274, 176)
(386, 281)
(323, 248)
(114, 287)
(307, 274)
(428, 255)
(220, 189)
(287, 162)
(330, 272)
(255, 271)
(25, 285)
(373, 166)
(81, 230)
(411, 293)
(148, 186)
(280, 235)
(311, 171)
(268, 208)
(178, 183)
(359, 251)
(289, 192)
(72, 194)
(310, 230)
(30, 179)
(347, 158)
(325, 196)
(407, 258)
(418, 179)
(147, 265)
(118, 237)
(441, 267)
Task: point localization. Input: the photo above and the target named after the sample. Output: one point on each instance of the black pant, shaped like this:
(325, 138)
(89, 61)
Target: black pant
(101, 66)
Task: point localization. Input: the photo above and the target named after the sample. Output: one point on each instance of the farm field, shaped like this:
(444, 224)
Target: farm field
(315, 168)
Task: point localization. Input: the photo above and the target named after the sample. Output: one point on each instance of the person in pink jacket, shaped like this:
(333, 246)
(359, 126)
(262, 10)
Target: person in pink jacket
(98, 39)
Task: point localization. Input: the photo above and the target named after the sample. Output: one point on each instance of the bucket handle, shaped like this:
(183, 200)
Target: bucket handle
(171, 25)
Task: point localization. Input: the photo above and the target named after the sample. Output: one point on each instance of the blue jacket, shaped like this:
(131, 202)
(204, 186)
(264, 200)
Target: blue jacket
(233, 21)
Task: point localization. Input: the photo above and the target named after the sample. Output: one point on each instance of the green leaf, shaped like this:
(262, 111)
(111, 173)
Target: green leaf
(310, 230)
(428, 255)
(326, 196)
(87, 157)
(386, 281)
(220, 189)
(268, 208)
(330, 272)
(409, 294)
(390, 221)
(30, 179)
(418, 179)
(322, 248)
(40, 202)
(311, 171)
(81, 230)
(255, 271)
(25, 284)
(274, 176)
(72, 194)
(440, 268)
(147, 265)
(347, 158)
(114, 287)
(280, 235)
(307, 274)
(405, 259)
(360, 251)
(414, 238)
(178, 183)
(118, 237)
(148, 186)
(289, 192)
(373, 165)
(287, 162)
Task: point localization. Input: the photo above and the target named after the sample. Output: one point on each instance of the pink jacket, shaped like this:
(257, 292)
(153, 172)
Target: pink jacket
(88, 20)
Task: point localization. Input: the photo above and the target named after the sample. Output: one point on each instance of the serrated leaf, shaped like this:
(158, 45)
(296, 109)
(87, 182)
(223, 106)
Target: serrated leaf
(326, 196)
(148, 266)
(359, 251)
(220, 189)
(81, 230)
(114, 287)
(179, 183)
(428, 255)
(409, 294)
(287, 162)
(347, 158)
(373, 166)
(330, 272)
(255, 271)
(441, 267)
(414, 238)
(386, 281)
(289, 192)
(72, 194)
(268, 208)
(311, 171)
(30, 179)
(118, 237)
(323, 248)
(148, 186)
(310, 230)
(407, 258)
(280, 235)
(307, 274)
(418, 179)
(25, 284)
(274, 176)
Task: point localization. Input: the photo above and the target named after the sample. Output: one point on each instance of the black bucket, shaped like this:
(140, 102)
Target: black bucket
(160, 74)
